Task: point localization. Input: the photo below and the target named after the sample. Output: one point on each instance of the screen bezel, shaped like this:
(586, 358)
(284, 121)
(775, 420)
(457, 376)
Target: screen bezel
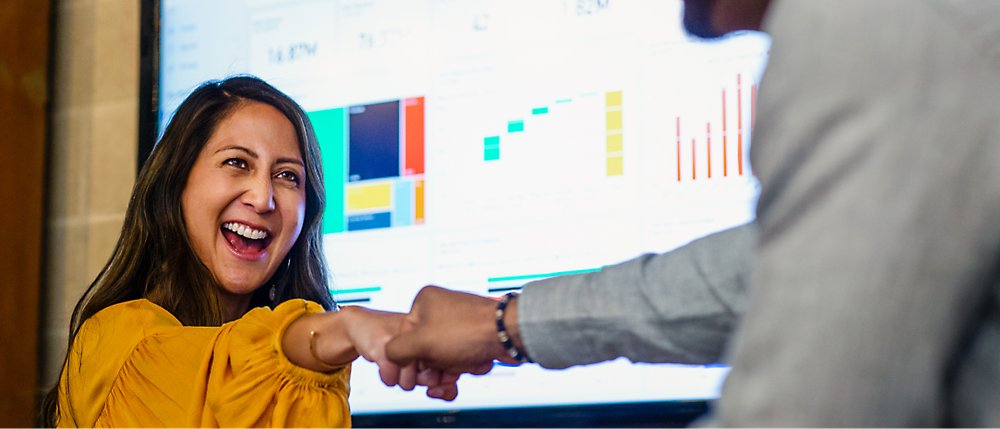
(149, 77)
(638, 414)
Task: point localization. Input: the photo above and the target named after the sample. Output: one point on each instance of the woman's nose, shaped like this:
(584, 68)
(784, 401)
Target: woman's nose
(259, 194)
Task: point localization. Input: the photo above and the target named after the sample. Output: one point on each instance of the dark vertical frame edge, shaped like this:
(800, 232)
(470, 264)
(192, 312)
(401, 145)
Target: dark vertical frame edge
(149, 72)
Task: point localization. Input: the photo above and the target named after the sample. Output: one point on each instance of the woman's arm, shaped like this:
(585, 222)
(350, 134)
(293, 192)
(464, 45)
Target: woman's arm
(338, 338)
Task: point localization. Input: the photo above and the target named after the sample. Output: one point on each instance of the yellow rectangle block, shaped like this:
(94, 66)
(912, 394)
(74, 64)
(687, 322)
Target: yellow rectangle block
(614, 120)
(613, 98)
(614, 142)
(364, 197)
(614, 166)
(418, 215)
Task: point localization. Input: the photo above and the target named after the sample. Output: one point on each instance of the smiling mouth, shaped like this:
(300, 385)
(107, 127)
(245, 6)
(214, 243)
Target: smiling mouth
(244, 240)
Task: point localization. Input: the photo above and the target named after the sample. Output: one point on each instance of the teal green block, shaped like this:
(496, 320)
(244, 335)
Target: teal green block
(515, 126)
(331, 131)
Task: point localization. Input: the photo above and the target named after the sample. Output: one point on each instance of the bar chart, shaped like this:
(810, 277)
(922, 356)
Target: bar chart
(728, 139)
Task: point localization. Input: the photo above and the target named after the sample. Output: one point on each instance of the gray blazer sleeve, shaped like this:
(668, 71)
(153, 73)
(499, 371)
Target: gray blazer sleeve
(678, 306)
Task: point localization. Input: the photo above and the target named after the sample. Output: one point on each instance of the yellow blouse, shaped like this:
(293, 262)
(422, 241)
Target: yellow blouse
(134, 365)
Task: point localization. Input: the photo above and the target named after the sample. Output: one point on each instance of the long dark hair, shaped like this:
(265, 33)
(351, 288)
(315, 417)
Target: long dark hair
(153, 258)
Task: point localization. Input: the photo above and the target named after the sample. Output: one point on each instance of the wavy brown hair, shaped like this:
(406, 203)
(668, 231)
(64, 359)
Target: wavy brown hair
(153, 258)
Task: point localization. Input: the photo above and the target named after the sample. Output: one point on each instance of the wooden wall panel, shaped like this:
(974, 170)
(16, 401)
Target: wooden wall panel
(24, 59)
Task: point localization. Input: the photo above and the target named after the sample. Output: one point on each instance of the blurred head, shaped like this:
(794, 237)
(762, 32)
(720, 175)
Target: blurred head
(716, 18)
(698, 18)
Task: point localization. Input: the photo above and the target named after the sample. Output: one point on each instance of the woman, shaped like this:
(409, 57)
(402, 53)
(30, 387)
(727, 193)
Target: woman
(213, 309)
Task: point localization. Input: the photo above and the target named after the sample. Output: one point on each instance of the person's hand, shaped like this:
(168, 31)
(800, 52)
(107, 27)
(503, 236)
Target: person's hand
(450, 331)
(369, 331)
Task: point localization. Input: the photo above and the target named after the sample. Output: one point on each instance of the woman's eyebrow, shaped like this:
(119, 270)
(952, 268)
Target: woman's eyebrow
(254, 155)
(239, 148)
(290, 161)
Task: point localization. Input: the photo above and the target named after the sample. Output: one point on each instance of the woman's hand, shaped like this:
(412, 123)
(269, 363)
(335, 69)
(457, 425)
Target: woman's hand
(342, 336)
(370, 330)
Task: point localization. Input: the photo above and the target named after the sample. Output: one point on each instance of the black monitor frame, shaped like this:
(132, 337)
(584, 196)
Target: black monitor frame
(639, 414)
(149, 78)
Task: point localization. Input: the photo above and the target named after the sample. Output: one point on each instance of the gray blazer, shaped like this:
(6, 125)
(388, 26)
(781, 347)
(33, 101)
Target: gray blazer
(867, 293)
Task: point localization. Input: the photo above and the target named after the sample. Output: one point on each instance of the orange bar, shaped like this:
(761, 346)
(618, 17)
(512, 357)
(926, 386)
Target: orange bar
(418, 197)
(708, 147)
(725, 152)
(678, 148)
(413, 119)
(694, 164)
(739, 121)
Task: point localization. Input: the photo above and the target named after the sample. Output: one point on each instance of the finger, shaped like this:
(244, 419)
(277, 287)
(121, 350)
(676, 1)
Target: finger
(408, 377)
(406, 348)
(450, 393)
(449, 377)
(446, 392)
(482, 369)
(388, 371)
(429, 377)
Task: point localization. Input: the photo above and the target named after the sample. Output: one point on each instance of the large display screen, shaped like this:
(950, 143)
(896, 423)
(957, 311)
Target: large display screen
(479, 145)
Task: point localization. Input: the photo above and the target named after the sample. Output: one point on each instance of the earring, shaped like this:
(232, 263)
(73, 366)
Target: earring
(273, 293)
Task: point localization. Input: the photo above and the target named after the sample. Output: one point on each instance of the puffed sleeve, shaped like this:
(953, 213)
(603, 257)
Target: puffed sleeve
(134, 365)
(248, 382)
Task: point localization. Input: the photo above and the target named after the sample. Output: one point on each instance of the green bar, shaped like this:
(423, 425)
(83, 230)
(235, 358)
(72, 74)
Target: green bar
(515, 126)
(539, 110)
(331, 131)
(542, 275)
(358, 290)
(564, 100)
(491, 148)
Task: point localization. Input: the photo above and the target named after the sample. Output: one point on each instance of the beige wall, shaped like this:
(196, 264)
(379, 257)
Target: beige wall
(95, 93)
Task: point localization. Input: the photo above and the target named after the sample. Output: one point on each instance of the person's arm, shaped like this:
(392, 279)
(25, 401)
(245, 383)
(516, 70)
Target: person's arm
(679, 306)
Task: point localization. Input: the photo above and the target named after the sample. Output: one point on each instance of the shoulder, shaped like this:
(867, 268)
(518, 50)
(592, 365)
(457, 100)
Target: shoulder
(138, 312)
(126, 320)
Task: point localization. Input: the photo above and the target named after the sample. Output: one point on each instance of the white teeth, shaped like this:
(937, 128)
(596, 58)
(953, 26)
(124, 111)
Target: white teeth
(246, 231)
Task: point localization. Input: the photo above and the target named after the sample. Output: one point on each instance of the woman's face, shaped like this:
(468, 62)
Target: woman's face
(245, 200)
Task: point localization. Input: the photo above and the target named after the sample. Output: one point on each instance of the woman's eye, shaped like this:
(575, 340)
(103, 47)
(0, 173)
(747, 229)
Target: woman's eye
(236, 162)
(289, 176)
